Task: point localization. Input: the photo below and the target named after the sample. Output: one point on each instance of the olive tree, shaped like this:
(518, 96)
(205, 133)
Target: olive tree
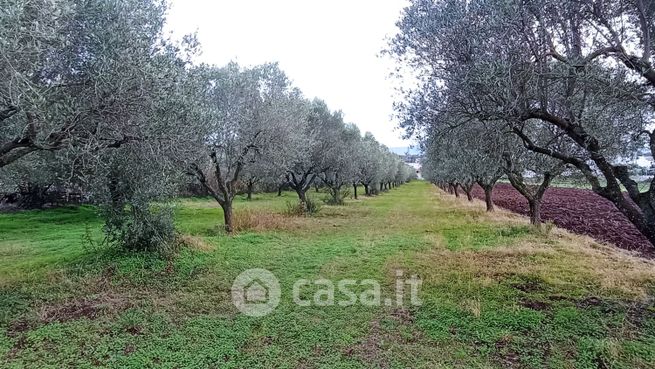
(89, 95)
(468, 150)
(243, 116)
(137, 209)
(80, 74)
(369, 163)
(572, 65)
(312, 145)
(340, 165)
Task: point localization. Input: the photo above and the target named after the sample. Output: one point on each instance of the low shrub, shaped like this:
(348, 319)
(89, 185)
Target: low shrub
(310, 207)
(336, 197)
(142, 228)
(295, 209)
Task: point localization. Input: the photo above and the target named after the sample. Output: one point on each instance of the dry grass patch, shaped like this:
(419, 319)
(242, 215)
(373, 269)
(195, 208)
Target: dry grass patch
(615, 269)
(196, 243)
(184, 304)
(260, 220)
(553, 254)
(474, 306)
(477, 209)
(90, 307)
(574, 261)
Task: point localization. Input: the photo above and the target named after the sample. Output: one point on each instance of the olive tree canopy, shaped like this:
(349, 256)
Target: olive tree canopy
(580, 68)
(85, 74)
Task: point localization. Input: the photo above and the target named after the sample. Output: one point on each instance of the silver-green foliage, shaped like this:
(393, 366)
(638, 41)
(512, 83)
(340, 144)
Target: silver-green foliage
(578, 71)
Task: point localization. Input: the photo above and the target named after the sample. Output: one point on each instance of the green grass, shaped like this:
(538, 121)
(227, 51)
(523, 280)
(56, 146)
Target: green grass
(496, 293)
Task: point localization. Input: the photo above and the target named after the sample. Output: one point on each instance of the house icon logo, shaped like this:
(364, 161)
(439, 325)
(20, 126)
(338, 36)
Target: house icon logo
(256, 292)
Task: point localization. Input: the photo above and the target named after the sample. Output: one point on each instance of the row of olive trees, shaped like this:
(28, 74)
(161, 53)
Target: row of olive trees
(95, 97)
(458, 158)
(570, 80)
(250, 125)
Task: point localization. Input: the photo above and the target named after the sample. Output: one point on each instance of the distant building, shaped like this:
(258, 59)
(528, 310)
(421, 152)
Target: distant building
(414, 161)
(417, 167)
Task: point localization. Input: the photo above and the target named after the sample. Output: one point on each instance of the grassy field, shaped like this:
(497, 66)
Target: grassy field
(496, 293)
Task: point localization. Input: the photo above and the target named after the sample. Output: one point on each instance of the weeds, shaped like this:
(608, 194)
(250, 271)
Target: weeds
(309, 207)
(258, 220)
(336, 197)
(496, 293)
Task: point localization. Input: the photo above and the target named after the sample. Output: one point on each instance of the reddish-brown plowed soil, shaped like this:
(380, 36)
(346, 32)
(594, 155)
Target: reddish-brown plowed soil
(577, 210)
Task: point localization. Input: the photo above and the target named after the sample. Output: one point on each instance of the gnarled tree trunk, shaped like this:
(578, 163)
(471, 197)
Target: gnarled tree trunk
(250, 188)
(487, 183)
(227, 215)
(535, 210)
(468, 188)
(533, 194)
(488, 200)
(301, 183)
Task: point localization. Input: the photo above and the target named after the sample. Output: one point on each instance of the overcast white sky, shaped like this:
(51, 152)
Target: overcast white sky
(329, 48)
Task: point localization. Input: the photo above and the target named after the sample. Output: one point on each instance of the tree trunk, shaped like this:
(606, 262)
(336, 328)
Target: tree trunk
(535, 211)
(279, 190)
(227, 215)
(301, 184)
(224, 195)
(643, 214)
(468, 189)
(488, 191)
(355, 190)
(250, 189)
(533, 194)
(456, 191)
(302, 196)
(643, 219)
(335, 195)
(366, 191)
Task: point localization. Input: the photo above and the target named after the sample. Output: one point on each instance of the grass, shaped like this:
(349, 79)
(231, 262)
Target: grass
(496, 293)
